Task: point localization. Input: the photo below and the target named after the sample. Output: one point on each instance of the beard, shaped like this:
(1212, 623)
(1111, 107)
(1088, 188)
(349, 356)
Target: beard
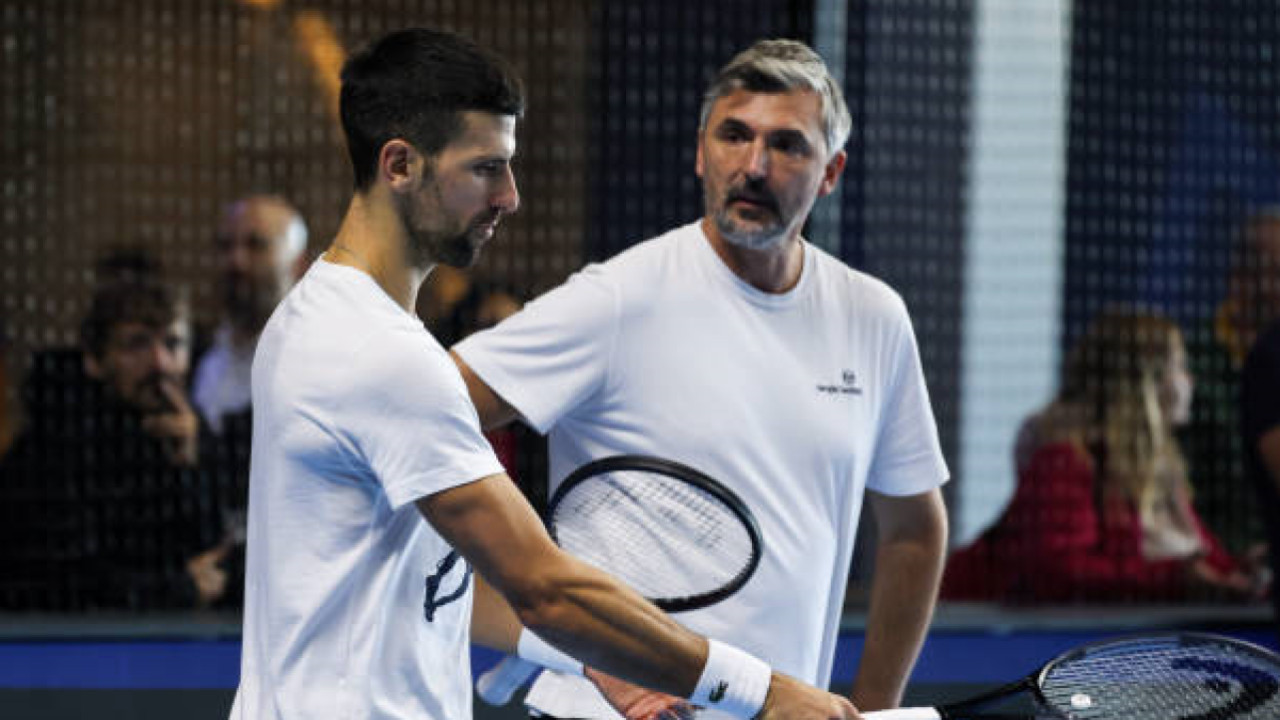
(436, 238)
(146, 396)
(248, 303)
(457, 250)
(761, 235)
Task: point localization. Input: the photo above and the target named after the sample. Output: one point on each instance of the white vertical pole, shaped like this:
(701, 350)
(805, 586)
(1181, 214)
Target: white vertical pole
(1014, 244)
(829, 41)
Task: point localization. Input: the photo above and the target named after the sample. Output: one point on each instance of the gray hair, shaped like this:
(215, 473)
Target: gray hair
(775, 66)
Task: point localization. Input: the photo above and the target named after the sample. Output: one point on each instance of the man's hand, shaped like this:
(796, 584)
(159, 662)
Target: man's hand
(177, 429)
(205, 570)
(790, 699)
(637, 703)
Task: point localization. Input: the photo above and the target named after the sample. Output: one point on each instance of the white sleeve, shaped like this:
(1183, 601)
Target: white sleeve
(908, 457)
(411, 419)
(552, 355)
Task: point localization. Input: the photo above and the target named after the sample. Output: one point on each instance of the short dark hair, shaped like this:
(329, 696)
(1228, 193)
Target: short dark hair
(141, 300)
(412, 84)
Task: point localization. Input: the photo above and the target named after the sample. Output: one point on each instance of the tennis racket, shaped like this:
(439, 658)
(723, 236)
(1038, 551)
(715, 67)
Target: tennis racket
(1155, 676)
(678, 537)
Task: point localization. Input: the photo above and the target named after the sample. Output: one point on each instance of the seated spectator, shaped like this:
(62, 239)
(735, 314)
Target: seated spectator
(261, 242)
(1257, 293)
(261, 245)
(103, 491)
(1103, 508)
(439, 299)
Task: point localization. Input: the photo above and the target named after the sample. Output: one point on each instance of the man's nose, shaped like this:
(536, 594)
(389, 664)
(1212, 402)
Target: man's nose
(508, 197)
(757, 160)
(238, 257)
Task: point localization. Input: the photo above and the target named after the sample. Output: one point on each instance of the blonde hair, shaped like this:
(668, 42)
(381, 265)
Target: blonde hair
(1114, 375)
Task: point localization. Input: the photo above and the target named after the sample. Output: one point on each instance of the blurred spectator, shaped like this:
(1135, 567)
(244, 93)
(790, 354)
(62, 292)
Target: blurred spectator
(482, 306)
(1103, 508)
(103, 490)
(1212, 441)
(439, 299)
(1258, 295)
(262, 244)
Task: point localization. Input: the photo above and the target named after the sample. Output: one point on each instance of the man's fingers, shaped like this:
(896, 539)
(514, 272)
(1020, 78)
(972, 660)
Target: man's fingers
(846, 708)
(174, 394)
(171, 425)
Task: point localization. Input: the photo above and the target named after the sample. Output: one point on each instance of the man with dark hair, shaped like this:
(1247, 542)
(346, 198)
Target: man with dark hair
(356, 606)
(106, 476)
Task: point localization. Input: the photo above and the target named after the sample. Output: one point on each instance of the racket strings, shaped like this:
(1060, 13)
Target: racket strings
(664, 537)
(1165, 679)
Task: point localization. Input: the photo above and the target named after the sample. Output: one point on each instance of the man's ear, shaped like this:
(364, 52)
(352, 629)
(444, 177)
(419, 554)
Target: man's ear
(399, 164)
(699, 163)
(831, 173)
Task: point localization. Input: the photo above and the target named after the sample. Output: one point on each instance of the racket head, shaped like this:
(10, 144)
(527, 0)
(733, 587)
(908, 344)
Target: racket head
(1163, 676)
(674, 534)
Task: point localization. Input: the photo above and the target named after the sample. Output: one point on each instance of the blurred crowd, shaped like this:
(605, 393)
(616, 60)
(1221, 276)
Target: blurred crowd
(1105, 507)
(123, 485)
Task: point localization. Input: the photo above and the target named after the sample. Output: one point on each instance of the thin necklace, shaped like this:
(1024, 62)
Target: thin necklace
(364, 264)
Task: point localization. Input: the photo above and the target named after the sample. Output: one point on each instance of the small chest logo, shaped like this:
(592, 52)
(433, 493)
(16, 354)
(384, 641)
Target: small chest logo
(717, 692)
(848, 385)
(452, 590)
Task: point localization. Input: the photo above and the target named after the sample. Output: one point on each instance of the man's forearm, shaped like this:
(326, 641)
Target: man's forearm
(493, 623)
(490, 407)
(903, 594)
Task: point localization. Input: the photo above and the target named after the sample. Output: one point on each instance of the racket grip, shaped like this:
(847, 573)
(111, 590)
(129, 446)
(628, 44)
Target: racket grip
(497, 684)
(915, 713)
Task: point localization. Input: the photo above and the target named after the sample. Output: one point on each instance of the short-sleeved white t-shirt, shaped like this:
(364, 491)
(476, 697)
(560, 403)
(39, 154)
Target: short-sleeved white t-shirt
(354, 606)
(797, 401)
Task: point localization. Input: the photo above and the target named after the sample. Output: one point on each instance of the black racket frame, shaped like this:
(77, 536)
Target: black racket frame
(1034, 682)
(684, 473)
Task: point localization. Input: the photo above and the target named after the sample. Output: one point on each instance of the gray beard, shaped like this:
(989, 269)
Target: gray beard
(762, 239)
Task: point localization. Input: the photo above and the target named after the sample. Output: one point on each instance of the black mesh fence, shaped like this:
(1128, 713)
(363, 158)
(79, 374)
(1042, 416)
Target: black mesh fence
(1016, 171)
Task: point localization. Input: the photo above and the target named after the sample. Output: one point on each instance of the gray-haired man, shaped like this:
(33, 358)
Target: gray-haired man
(735, 346)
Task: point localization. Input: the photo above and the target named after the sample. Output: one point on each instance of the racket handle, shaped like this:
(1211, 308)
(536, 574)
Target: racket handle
(497, 684)
(915, 713)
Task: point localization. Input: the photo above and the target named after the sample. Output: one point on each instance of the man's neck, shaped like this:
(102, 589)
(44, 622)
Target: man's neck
(372, 240)
(774, 270)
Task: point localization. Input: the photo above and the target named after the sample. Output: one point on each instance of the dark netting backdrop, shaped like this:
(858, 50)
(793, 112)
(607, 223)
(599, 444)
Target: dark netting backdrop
(1069, 196)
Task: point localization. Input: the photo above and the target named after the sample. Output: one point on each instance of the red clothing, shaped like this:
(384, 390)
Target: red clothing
(1052, 544)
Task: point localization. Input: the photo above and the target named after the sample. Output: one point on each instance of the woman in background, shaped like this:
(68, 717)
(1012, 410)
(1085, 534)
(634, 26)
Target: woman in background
(1103, 510)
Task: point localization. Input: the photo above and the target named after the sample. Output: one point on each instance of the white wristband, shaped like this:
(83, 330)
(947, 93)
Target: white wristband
(539, 651)
(733, 681)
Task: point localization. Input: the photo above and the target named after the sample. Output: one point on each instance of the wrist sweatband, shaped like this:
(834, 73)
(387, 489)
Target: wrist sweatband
(536, 650)
(733, 681)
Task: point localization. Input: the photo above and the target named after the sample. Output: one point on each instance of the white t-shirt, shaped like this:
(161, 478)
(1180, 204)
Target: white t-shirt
(222, 378)
(797, 401)
(354, 606)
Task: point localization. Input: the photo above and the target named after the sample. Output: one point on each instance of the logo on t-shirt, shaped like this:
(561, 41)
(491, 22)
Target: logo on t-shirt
(453, 585)
(717, 692)
(848, 385)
